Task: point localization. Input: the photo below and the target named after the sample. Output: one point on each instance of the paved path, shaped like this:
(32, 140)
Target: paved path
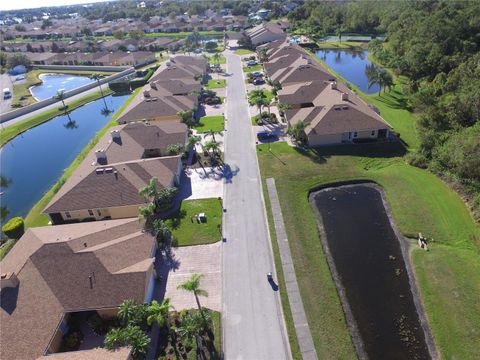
(304, 336)
(253, 322)
(52, 106)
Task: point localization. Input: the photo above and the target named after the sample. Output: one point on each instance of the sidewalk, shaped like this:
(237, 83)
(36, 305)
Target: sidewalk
(304, 336)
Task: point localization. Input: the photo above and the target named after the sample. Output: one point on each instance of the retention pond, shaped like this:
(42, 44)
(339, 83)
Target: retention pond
(52, 83)
(365, 255)
(34, 160)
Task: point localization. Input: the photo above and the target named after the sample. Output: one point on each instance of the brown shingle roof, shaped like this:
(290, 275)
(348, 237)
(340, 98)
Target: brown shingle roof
(54, 279)
(114, 185)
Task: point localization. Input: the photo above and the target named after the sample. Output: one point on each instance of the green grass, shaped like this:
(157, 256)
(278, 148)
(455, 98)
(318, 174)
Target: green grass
(10, 132)
(35, 216)
(187, 231)
(393, 106)
(221, 60)
(257, 67)
(6, 248)
(268, 94)
(342, 45)
(215, 123)
(217, 332)
(244, 52)
(449, 276)
(215, 84)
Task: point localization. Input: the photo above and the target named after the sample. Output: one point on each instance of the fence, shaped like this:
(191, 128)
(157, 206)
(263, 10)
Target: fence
(41, 104)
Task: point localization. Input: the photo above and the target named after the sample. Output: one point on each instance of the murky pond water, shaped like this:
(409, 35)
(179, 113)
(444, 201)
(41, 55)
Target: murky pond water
(369, 262)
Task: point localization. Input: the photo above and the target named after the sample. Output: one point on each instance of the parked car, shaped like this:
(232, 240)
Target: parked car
(258, 82)
(267, 136)
(257, 74)
(20, 77)
(251, 63)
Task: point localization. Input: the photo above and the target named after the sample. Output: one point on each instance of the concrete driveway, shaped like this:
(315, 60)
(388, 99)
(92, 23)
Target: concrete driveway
(198, 183)
(181, 263)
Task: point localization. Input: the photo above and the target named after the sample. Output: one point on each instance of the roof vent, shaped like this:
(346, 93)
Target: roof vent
(108, 170)
(154, 98)
(153, 85)
(99, 171)
(333, 85)
(344, 96)
(338, 108)
(100, 154)
(146, 94)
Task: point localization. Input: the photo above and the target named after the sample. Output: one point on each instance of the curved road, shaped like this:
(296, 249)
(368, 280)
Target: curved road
(253, 323)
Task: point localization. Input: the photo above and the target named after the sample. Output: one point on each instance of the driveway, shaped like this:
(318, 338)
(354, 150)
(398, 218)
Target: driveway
(253, 322)
(198, 183)
(181, 263)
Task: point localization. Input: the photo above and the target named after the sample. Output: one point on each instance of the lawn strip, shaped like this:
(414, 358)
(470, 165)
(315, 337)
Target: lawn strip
(214, 123)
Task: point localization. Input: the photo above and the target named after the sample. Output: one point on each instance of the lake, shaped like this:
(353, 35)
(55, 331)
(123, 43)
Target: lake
(54, 82)
(351, 64)
(35, 160)
(371, 270)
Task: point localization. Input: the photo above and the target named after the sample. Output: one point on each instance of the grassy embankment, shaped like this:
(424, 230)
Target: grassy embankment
(448, 276)
(214, 123)
(21, 88)
(187, 231)
(8, 133)
(342, 45)
(35, 216)
(244, 52)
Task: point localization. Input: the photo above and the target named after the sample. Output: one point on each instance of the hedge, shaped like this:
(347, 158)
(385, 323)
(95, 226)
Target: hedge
(14, 228)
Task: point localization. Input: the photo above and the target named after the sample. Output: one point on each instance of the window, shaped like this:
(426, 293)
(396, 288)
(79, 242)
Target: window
(355, 134)
(90, 212)
(67, 214)
(373, 132)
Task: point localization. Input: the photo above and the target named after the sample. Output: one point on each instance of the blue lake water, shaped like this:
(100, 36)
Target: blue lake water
(351, 64)
(35, 160)
(54, 82)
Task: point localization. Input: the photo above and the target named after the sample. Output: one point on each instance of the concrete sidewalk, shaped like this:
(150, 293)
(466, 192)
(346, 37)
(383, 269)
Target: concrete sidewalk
(304, 336)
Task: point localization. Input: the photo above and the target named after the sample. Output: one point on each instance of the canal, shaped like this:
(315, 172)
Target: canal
(35, 160)
(51, 83)
(351, 64)
(370, 267)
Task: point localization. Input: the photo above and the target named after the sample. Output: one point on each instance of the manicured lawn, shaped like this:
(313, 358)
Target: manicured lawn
(215, 84)
(257, 67)
(221, 60)
(8, 133)
(6, 248)
(215, 123)
(244, 52)
(268, 94)
(448, 275)
(35, 216)
(187, 231)
(342, 45)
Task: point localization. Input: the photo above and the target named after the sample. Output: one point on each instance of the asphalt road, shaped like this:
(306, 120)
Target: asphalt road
(5, 82)
(252, 315)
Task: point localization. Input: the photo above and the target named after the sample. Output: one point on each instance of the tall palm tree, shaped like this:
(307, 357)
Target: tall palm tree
(212, 133)
(146, 213)
(297, 131)
(193, 285)
(150, 191)
(214, 147)
(61, 97)
(192, 141)
(97, 77)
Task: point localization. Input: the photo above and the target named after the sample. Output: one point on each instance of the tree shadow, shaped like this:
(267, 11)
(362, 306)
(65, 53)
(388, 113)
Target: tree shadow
(371, 150)
(229, 172)
(397, 101)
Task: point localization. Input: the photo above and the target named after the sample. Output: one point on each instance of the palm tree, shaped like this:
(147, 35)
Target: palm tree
(146, 213)
(263, 55)
(150, 191)
(187, 117)
(106, 111)
(193, 325)
(132, 336)
(159, 313)
(214, 147)
(165, 197)
(216, 57)
(192, 141)
(212, 133)
(297, 131)
(97, 77)
(61, 97)
(193, 285)
(161, 230)
(131, 313)
(385, 80)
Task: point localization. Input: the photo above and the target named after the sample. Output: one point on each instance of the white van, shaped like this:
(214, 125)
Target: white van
(7, 94)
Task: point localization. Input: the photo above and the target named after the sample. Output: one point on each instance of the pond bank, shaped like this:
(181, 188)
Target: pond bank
(382, 319)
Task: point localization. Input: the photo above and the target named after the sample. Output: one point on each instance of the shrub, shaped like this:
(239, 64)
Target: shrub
(14, 228)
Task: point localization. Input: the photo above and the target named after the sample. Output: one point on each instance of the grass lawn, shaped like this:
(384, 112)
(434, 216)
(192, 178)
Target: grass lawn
(215, 123)
(342, 45)
(257, 67)
(6, 248)
(244, 52)
(268, 94)
(448, 275)
(215, 84)
(187, 232)
(217, 332)
(35, 216)
(221, 60)
(8, 133)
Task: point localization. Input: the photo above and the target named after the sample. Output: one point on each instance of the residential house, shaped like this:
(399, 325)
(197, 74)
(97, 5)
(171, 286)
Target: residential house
(55, 274)
(265, 32)
(111, 191)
